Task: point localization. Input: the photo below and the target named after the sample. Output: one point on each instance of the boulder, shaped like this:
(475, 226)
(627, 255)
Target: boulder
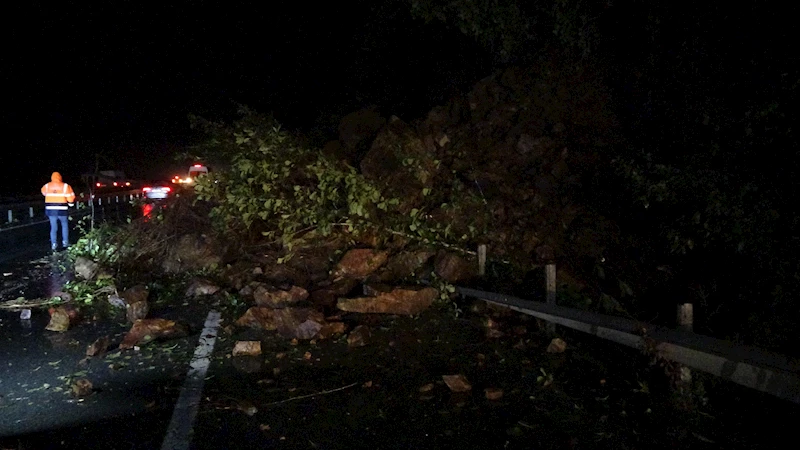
(405, 301)
(454, 268)
(407, 264)
(62, 317)
(360, 263)
(144, 331)
(246, 348)
(359, 337)
(277, 298)
(199, 287)
(358, 129)
(400, 164)
(296, 323)
(136, 305)
(85, 268)
(192, 252)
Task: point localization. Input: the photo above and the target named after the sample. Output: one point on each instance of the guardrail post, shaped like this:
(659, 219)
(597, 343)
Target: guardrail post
(550, 275)
(686, 317)
(685, 323)
(30, 211)
(481, 260)
(10, 216)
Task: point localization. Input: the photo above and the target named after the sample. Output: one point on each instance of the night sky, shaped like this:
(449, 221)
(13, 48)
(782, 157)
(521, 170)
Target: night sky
(118, 79)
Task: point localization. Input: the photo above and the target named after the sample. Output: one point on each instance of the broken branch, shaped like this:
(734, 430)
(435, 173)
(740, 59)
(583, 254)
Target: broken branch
(312, 395)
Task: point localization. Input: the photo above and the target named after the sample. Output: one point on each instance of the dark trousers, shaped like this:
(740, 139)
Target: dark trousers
(54, 220)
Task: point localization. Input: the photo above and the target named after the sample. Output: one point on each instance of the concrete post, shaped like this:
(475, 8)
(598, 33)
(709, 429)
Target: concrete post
(482, 260)
(550, 275)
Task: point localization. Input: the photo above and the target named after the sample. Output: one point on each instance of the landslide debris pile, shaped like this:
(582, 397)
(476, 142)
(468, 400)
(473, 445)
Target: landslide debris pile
(509, 163)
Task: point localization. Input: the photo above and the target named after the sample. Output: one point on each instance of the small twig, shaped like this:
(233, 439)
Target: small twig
(428, 241)
(312, 395)
(525, 425)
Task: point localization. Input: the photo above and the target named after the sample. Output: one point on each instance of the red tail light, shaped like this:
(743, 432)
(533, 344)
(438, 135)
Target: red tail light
(146, 188)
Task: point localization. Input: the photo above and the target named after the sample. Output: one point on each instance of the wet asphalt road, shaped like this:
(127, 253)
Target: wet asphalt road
(133, 392)
(132, 396)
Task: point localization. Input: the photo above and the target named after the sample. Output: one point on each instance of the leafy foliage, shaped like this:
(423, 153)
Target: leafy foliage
(101, 244)
(279, 187)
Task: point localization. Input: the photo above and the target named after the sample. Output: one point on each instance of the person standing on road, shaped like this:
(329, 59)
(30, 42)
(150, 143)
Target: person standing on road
(58, 197)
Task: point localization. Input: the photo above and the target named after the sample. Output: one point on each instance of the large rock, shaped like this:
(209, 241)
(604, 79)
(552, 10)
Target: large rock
(144, 331)
(275, 298)
(326, 297)
(400, 163)
(293, 322)
(407, 264)
(246, 348)
(279, 274)
(257, 317)
(453, 268)
(85, 268)
(192, 252)
(331, 329)
(62, 317)
(199, 287)
(405, 301)
(298, 323)
(134, 294)
(358, 129)
(359, 337)
(136, 305)
(137, 310)
(311, 265)
(457, 383)
(360, 263)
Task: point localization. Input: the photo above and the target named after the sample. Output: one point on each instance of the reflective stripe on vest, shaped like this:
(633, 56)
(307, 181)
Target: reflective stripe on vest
(57, 200)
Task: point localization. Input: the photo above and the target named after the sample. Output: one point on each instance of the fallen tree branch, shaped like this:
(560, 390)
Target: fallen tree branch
(432, 242)
(311, 395)
(22, 303)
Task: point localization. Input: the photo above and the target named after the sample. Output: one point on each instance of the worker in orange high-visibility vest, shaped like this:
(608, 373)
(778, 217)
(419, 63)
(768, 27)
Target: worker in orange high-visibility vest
(58, 197)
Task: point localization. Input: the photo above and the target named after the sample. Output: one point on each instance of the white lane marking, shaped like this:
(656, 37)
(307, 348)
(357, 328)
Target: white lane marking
(180, 427)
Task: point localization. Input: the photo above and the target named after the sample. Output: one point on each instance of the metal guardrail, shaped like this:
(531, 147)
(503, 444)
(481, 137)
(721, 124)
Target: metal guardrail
(768, 372)
(32, 212)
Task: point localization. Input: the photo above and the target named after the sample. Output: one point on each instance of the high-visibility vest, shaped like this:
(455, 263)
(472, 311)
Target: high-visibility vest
(57, 201)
